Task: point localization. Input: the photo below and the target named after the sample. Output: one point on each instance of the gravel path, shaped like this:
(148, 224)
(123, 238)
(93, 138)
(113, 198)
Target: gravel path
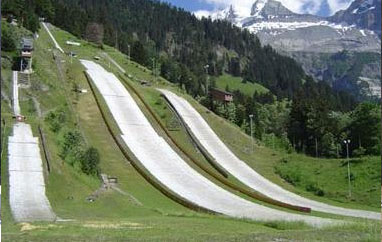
(238, 168)
(168, 167)
(26, 180)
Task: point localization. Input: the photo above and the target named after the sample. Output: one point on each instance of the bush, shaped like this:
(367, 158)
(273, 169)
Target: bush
(8, 42)
(291, 175)
(313, 187)
(283, 160)
(359, 152)
(90, 161)
(71, 144)
(56, 119)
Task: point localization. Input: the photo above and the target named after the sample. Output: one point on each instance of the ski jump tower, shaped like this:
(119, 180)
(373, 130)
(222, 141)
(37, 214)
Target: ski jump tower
(26, 60)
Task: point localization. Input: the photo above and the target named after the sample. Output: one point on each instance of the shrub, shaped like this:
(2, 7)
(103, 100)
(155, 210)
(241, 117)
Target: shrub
(291, 175)
(8, 42)
(71, 144)
(56, 119)
(90, 161)
(359, 152)
(313, 187)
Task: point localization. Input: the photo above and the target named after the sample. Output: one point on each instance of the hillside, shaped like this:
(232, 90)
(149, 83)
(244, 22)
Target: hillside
(141, 211)
(196, 52)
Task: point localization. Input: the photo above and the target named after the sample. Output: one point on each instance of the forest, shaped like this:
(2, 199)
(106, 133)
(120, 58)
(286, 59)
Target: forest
(299, 113)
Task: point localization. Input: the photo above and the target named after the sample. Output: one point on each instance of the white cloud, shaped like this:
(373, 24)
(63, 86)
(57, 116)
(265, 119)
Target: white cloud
(298, 6)
(202, 13)
(336, 5)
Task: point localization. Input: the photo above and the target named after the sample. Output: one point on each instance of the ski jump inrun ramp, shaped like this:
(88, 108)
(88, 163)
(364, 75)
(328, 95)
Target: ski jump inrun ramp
(27, 197)
(205, 136)
(167, 167)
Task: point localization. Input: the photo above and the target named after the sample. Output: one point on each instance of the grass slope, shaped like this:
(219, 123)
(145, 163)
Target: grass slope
(113, 217)
(236, 83)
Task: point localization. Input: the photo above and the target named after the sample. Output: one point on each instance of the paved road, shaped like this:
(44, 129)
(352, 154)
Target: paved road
(15, 96)
(156, 155)
(53, 39)
(26, 180)
(238, 168)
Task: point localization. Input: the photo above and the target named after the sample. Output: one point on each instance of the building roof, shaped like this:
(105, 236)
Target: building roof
(27, 43)
(221, 91)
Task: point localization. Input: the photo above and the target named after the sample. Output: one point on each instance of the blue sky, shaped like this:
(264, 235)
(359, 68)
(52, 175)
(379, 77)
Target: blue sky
(319, 7)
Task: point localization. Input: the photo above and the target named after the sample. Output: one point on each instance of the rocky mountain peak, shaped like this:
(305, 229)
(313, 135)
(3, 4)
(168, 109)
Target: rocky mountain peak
(276, 8)
(231, 14)
(365, 14)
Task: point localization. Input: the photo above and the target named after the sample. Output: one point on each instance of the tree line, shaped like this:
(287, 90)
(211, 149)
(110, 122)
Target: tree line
(302, 114)
(181, 43)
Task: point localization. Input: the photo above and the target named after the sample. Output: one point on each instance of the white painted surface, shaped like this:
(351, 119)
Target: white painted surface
(26, 180)
(15, 91)
(73, 43)
(52, 37)
(238, 168)
(168, 167)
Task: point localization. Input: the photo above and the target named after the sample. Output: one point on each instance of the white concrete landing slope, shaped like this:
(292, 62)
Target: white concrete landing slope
(15, 94)
(26, 179)
(163, 163)
(238, 168)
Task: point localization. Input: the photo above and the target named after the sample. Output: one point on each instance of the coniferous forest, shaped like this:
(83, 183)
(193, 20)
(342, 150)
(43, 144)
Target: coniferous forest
(302, 114)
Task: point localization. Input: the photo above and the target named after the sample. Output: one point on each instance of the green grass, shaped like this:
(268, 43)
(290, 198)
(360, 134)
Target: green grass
(113, 217)
(264, 161)
(236, 83)
(328, 178)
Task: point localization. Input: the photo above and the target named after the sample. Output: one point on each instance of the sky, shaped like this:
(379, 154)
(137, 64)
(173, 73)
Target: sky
(318, 7)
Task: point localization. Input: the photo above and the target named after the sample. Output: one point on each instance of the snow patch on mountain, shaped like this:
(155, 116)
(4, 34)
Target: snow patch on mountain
(257, 8)
(373, 86)
(234, 14)
(263, 25)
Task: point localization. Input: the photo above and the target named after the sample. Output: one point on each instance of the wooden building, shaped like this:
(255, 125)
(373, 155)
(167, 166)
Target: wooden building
(221, 96)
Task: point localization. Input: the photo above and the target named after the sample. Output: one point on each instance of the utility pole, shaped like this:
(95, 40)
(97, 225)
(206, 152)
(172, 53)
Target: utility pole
(316, 147)
(347, 142)
(153, 59)
(116, 40)
(207, 79)
(251, 117)
(128, 52)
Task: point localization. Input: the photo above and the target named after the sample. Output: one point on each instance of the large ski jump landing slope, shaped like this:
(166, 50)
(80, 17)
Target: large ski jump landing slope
(163, 163)
(238, 168)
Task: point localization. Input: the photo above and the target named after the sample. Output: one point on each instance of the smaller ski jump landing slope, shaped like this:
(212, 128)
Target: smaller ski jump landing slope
(26, 179)
(238, 168)
(163, 163)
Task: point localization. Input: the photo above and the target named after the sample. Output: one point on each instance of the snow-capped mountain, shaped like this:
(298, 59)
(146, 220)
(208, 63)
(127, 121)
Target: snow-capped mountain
(314, 40)
(288, 31)
(365, 14)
